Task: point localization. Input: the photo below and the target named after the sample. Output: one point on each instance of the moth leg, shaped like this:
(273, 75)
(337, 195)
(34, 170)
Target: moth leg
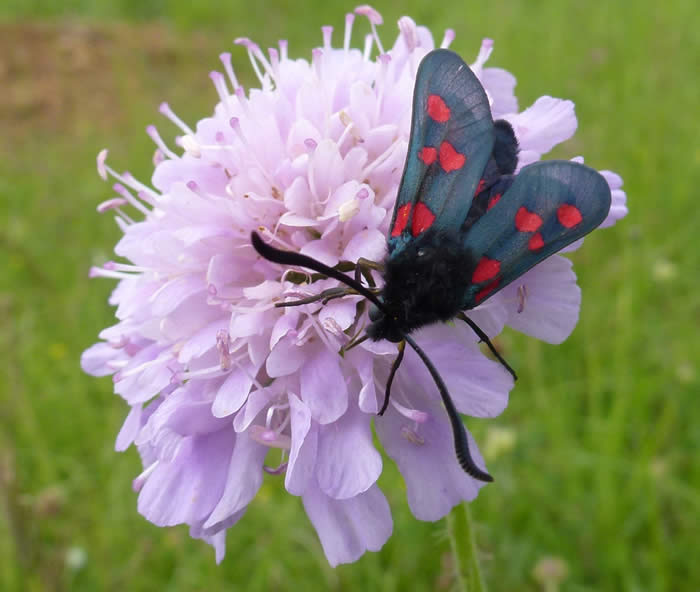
(485, 339)
(354, 342)
(394, 368)
(325, 297)
(364, 267)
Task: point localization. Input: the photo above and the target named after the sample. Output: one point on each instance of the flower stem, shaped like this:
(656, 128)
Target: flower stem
(461, 533)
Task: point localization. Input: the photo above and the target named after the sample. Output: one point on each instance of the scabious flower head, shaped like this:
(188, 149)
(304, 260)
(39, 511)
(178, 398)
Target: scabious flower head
(222, 385)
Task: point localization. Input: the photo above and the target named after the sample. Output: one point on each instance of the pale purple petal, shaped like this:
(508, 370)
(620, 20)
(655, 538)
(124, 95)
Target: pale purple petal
(347, 462)
(479, 387)
(234, 391)
(618, 206)
(285, 358)
(425, 455)
(347, 528)
(545, 302)
(243, 478)
(189, 486)
(302, 456)
(323, 386)
(500, 85)
(543, 125)
(130, 427)
(95, 360)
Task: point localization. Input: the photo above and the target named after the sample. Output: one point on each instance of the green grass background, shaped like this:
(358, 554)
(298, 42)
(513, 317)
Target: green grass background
(604, 472)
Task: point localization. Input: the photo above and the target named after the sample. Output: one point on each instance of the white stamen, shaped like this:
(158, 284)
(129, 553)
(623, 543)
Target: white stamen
(281, 468)
(283, 49)
(269, 438)
(155, 136)
(139, 482)
(165, 109)
(484, 53)
(349, 19)
(327, 31)
(256, 55)
(101, 159)
(106, 273)
(448, 38)
(228, 68)
(126, 194)
(413, 414)
(219, 81)
(367, 51)
(374, 19)
(111, 204)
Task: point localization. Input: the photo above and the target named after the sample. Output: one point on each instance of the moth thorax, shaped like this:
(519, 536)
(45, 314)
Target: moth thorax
(425, 281)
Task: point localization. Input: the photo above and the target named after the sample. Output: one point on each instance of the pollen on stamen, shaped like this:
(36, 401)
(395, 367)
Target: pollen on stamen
(349, 20)
(253, 55)
(225, 58)
(139, 481)
(219, 81)
(522, 297)
(316, 55)
(327, 32)
(407, 27)
(223, 345)
(165, 109)
(111, 204)
(412, 436)
(121, 190)
(484, 54)
(276, 470)
(274, 62)
(101, 159)
(269, 438)
(283, 44)
(448, 38)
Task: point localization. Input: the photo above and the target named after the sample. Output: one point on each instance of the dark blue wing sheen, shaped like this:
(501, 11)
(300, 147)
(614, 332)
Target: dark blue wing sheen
(548, 206)
(452, 137)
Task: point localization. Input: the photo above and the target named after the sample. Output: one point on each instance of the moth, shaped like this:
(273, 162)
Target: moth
(464, 225)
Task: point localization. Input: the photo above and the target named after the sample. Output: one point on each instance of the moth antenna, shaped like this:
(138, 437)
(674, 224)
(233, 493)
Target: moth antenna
(458, 431)
(291, 258)
(394, 368)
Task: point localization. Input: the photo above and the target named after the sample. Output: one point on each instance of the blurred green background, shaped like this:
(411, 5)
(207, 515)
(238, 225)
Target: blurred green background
(596, 458)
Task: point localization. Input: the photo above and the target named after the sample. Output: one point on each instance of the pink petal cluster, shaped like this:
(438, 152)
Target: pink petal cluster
(219, 381)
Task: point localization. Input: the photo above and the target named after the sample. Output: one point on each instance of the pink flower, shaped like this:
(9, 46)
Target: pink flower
(216, 376)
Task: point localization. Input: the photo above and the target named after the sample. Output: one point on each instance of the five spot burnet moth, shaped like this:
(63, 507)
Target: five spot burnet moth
(464, 226)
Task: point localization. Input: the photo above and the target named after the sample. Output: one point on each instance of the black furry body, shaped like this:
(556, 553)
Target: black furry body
(424, 284)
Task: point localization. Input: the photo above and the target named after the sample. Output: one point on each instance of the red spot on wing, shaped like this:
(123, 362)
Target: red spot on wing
(480, 187)
(427, 154)
(493, 201)
(569, 215)
(536, 242)
(484, 292)
(422, 219)
(401, 219)
(486, 270)
(450, 159)
(526, 221)
(438, 109)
